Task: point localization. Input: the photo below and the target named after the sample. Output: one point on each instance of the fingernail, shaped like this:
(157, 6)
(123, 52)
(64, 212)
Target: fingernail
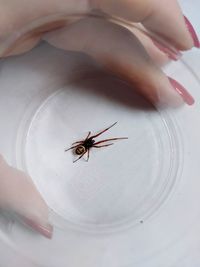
(182, 91)
(174, 55)
(192, 32)
(45, 230)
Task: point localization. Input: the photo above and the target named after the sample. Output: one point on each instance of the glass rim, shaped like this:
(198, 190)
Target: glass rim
(39, 25)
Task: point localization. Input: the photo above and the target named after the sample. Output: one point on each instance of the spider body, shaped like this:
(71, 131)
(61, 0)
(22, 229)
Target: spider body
(84, 146)
(89, 143)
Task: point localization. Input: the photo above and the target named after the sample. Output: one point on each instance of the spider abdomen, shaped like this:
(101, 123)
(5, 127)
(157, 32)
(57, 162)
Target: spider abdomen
(80, 150)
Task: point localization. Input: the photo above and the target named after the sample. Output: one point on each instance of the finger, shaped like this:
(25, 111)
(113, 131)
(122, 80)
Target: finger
(18, 194)
(16, 14)
(29, 37)
(161, 17)
(120, 52)
(159, 53)
(23, 46)
(33, 17)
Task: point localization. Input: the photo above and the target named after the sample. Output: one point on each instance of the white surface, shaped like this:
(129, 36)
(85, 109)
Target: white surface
(94, 224)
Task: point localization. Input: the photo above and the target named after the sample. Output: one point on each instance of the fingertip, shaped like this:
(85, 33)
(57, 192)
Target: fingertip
(45, 230)
(162, 93)
(182, 91)
(192, 32)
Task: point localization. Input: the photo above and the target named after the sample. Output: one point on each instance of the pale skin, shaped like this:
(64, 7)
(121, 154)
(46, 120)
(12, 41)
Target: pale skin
(137, 60)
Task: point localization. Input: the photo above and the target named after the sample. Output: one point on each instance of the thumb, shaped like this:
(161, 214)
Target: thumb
(18, 194)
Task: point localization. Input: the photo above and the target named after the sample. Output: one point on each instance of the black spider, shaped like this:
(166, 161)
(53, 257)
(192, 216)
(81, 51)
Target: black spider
(84, 146)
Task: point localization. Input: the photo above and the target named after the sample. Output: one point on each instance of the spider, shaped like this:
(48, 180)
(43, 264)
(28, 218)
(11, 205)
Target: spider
(84, 146)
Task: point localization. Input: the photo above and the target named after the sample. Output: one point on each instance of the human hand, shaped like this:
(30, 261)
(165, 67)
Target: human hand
(131, 55)
(19, 195)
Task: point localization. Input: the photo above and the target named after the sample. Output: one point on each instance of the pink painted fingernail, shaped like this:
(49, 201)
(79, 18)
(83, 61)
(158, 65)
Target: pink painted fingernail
(174, 55)
(192, 32)
(45, 230)
(182, 92)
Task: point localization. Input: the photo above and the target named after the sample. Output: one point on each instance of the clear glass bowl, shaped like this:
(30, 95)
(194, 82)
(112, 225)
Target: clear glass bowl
(125, 205)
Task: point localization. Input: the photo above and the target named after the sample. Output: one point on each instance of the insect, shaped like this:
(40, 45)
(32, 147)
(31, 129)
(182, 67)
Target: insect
(84, 146)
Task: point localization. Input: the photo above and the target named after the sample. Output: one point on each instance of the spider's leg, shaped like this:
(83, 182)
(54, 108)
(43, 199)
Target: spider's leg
(72, 147)
(88, 135)
(110, 139)
(104, 145)
(80, 157)
(96, 135)
(88, 155)
(79, 142)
